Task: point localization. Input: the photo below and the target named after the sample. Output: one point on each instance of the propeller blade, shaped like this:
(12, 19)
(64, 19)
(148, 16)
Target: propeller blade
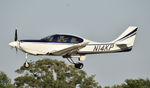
(16, 35)
(16, 50)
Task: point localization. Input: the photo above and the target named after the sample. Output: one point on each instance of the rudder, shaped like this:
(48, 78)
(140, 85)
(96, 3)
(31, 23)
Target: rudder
(127, 37)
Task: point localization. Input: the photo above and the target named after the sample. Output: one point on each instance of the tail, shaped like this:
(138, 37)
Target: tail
(126, 40)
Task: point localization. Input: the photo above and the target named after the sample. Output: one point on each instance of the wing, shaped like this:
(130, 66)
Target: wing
(70, 50)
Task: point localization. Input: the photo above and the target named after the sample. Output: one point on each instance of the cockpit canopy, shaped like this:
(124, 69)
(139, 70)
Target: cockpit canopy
(63, 39)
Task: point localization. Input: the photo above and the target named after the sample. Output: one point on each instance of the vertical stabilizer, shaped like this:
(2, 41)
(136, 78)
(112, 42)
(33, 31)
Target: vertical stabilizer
(127, 37)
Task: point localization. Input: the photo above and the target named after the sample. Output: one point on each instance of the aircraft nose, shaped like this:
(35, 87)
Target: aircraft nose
(13, 44)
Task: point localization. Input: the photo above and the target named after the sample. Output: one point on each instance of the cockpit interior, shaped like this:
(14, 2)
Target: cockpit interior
(63, 39)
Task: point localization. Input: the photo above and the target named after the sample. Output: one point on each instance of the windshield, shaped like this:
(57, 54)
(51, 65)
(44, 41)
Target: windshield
(63, 39)
(48, 38)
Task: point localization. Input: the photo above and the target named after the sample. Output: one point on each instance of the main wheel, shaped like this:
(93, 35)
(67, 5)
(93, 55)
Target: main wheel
(78, 65)
(26, 65)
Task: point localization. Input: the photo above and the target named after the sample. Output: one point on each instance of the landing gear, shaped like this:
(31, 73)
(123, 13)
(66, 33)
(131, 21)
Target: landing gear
(77, 65)
(26, 64)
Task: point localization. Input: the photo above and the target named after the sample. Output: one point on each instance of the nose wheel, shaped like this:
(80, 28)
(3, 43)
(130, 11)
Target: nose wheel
(26, 64)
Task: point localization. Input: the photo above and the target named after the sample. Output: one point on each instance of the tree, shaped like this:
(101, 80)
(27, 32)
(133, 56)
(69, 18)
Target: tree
(5, 82)
(48, 73)
(136, 83)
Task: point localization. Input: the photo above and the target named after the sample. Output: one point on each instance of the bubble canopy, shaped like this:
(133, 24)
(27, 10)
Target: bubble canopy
(61, 38)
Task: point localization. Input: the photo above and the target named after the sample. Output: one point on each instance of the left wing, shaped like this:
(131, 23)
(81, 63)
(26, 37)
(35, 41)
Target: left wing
(70, 50)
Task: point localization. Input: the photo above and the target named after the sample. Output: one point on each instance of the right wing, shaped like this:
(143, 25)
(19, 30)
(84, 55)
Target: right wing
(70, 50)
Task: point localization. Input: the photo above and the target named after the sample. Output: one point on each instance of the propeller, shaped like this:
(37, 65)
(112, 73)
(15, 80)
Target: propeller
(16, 50)
(16, 38)
(16, 42)
(16, 35)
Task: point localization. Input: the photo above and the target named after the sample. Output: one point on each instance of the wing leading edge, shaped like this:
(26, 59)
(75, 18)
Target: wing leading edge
(70, 50)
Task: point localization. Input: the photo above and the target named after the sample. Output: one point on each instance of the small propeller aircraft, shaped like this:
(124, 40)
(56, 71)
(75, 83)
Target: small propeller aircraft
(70, 46)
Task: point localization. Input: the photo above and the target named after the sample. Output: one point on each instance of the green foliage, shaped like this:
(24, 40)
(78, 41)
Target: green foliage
(106, 87)
(137, 83)
(5, 81)
(48, 73)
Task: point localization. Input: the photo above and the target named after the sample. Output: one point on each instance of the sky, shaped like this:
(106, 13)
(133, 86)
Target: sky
(96, 20)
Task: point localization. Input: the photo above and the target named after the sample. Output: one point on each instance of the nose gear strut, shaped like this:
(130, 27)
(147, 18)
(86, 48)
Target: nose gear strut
(26, 64)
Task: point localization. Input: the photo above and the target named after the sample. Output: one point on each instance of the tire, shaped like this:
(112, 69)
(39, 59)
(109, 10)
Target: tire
(78, 65)
(26, 65)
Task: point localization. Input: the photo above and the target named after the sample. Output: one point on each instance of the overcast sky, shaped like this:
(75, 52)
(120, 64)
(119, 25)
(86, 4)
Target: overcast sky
(97, 20)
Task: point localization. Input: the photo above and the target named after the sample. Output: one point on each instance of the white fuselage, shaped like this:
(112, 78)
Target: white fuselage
(45, 48)
(59, 45)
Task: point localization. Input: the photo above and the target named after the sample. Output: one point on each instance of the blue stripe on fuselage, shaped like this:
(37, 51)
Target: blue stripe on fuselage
(33, 41)
(128, 34)
(43, 41)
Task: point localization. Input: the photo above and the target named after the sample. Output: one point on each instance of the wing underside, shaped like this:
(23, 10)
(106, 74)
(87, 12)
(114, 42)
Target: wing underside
(70, 50)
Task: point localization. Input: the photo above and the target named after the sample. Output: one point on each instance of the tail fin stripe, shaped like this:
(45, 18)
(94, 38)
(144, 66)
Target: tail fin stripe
(127, 37)
(128, 34)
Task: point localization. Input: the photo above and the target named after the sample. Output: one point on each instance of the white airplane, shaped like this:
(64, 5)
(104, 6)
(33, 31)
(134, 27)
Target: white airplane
(70, 46)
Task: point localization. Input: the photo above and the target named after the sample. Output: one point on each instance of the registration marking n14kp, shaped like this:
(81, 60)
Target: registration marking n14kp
(103, 47)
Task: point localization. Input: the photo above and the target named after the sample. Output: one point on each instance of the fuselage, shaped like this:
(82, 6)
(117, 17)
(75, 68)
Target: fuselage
(58, 42)
(38, 47)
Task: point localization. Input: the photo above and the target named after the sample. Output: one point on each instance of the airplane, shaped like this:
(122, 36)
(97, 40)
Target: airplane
(71, 46)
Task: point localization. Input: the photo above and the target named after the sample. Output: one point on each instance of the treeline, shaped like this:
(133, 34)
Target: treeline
(48, 73)
(133, 83)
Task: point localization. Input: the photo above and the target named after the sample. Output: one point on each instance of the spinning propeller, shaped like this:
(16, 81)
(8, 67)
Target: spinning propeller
(16, 39)
(16, 43)
(16, 35)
